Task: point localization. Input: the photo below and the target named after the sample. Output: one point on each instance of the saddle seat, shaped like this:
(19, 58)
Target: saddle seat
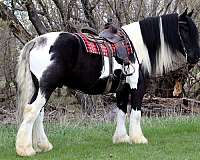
(108, 34)
(111, 34)
(116, 36)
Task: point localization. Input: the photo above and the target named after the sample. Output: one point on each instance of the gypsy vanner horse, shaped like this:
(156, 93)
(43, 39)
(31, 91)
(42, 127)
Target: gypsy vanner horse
(60, 58)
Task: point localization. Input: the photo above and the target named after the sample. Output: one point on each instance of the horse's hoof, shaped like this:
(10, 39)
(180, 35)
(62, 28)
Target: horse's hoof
(25, 151)
(37, 149)
(45, 147)
(138, 140)
(120, 139)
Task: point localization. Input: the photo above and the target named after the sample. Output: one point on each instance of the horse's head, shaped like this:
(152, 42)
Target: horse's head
(189, 37)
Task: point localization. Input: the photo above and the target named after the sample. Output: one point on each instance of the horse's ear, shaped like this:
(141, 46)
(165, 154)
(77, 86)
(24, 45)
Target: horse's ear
(184, 13)
(190, 14)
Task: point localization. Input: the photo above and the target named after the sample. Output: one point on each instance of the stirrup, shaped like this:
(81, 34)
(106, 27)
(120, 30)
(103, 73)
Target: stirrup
(125, 72)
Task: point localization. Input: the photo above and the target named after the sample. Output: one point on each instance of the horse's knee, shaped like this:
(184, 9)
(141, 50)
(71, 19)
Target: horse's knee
(30, 114)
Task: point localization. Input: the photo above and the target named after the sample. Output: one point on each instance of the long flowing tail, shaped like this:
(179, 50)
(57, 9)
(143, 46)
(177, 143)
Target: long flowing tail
(24, 80)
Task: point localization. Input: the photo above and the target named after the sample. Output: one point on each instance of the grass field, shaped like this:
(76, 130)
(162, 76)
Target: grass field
(169, 139)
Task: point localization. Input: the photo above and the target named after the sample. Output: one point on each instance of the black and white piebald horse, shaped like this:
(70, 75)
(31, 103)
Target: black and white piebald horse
(59, 58)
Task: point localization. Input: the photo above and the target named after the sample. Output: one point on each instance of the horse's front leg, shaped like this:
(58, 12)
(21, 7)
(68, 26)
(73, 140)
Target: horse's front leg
(120, 135)
(135, 131)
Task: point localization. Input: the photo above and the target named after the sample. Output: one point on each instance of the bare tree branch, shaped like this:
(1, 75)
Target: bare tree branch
(139, 10)
(116, 8)
(167, 7)
(66, 15)
(46, 14)
(88, 13)
(34, 18)
(16, 27)
(94, 4)
(69, 25)
(61, 11)
(126, 15)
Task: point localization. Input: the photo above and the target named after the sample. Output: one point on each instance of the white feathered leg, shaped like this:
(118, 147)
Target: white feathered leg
(120, 135)
(24, 136)
(40, 140)
(135, 131)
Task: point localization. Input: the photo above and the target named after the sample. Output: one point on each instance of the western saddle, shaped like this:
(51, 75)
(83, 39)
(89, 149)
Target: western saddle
(112, 35)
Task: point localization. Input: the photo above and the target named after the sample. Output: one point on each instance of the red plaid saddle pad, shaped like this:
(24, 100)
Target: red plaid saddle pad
(96, 45)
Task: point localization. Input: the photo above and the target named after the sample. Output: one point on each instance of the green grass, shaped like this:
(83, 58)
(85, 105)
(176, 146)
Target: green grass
(169, 139)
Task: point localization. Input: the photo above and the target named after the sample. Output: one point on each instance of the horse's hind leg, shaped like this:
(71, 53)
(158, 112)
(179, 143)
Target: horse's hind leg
(24, 135)
(40, 140)
(48, 83)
